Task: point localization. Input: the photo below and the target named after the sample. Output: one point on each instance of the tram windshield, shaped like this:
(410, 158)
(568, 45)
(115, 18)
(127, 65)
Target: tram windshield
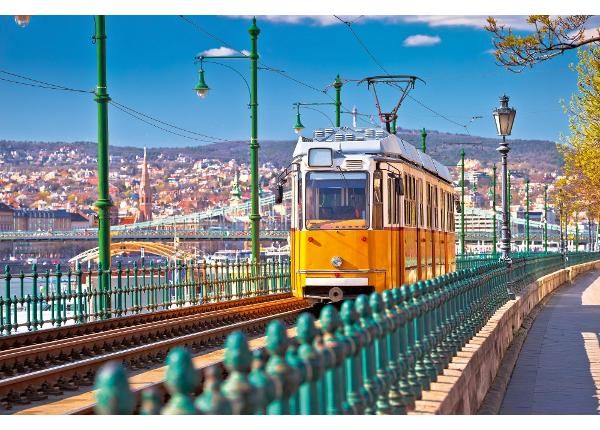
(336, 200)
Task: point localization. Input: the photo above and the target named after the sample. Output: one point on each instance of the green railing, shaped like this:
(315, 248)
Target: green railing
(376, 356)
(53, 298)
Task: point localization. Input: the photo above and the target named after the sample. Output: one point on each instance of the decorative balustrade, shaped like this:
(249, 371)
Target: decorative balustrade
(375, 356)
(52, 298)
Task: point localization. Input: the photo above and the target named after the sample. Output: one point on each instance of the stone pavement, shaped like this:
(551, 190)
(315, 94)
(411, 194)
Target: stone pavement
(558, 369)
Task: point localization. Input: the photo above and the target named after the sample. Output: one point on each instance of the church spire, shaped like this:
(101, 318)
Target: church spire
(145, 199)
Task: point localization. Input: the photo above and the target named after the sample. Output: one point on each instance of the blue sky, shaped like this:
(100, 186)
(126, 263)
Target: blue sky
(151, 69)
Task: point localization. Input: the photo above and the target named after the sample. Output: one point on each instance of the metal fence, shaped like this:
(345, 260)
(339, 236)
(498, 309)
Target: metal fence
(52, 298)
(376, 356)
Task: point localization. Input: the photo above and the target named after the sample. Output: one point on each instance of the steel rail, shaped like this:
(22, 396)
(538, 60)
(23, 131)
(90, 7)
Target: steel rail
(143, 346)
(73, 330)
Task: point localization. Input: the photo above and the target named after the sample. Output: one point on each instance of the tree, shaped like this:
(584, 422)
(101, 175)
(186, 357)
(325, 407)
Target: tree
(552, 36)
(581, 149)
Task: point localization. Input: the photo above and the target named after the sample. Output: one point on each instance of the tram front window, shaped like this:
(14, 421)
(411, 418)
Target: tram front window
(336, 200)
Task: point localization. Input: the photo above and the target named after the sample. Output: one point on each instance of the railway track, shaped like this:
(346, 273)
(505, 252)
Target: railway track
(31, 373)
(69, 331)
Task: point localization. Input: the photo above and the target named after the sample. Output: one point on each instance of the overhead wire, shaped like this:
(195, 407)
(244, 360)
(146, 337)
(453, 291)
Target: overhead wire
(140, 118)
(368, 51)
(225, 44)
(126, 109)
(122, 106)
(40, 84)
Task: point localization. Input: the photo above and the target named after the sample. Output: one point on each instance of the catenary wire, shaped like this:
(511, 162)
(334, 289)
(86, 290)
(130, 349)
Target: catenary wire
(368, 51)
(139, 118)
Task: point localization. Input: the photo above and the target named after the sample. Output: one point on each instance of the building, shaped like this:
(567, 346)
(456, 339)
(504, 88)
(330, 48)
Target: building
(79, 221)
(7, 222)
(145, 200)
(41, 220)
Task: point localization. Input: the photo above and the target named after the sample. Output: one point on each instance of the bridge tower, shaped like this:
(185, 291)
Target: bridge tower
(145, 202)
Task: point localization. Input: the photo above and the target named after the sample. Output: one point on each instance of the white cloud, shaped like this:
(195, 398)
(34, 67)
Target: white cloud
(421, 40)
(223, 50)
(475, 21)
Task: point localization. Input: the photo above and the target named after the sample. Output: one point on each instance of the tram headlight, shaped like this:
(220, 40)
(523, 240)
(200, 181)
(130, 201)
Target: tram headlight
(336, 262)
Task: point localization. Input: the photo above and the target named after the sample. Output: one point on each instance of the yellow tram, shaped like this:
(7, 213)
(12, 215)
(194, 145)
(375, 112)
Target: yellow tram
(369, 212)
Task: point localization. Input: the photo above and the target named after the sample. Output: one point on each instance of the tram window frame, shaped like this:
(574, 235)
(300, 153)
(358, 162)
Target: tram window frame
(367, 194)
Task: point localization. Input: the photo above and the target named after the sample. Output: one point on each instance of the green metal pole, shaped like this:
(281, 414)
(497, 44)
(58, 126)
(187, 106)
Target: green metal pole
(509, 192)
(546, 218)
(337, 84)
(104, 202)
(254, 215)
(527, 212)
(494, 238)
(576, 231)
(424, 141)
(393, 127)
(462, 202)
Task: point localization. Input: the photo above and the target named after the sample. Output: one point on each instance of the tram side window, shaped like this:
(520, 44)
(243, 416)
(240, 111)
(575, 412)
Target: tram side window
(377, 200)
(393, 200)
(429, 205)
(410, 201)
(443, 216)
(420, 193)
(435, 208)
(450, 212)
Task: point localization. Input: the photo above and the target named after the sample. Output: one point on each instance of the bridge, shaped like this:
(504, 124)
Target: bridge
(197, 226)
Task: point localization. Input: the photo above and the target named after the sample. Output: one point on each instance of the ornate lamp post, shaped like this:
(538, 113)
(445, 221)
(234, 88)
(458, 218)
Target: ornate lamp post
(337, 84)
(546, 218)
(104, 202)
(527, 213)
(495, 226)
(424, 141)
(462, 201)
(504, 117)
(202, 90)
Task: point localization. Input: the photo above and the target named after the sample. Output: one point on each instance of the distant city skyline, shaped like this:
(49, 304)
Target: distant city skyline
(151, 69)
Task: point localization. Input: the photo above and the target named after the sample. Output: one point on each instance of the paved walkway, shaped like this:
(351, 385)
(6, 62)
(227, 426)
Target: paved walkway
(558, 369)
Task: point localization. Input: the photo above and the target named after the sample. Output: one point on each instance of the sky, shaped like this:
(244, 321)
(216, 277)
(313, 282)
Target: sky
(151, 68)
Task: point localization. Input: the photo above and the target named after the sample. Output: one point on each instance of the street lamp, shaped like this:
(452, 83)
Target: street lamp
(202, 89)
(504, 117)
(298, 127)
(22, 20)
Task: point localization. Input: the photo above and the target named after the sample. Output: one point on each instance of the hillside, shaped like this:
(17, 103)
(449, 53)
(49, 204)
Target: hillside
(540, 155)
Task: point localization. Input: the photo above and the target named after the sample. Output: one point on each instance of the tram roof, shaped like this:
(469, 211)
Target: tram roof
(370, 141)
